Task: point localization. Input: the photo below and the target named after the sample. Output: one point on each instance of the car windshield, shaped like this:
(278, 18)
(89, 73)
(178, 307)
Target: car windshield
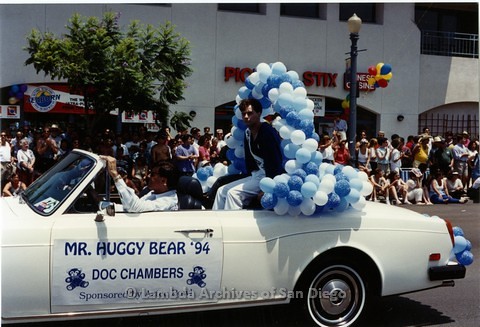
(49, 191)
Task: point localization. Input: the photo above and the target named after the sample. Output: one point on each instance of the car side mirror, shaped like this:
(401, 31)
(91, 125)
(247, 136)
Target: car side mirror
(105, 208)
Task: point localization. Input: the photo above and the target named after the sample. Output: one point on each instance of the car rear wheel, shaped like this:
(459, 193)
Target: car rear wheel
(336, 295)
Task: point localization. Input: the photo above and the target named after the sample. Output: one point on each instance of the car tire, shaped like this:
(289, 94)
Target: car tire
(335, 295)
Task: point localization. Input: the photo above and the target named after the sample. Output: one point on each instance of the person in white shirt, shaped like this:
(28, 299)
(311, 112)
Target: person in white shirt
(6, 159)
(396, 156)
(162, 183)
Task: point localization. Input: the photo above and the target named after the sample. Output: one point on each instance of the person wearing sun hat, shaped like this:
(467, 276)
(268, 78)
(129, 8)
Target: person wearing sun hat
(441, 156)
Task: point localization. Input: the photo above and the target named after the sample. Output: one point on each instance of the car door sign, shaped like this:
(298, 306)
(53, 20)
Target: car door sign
(166, 271)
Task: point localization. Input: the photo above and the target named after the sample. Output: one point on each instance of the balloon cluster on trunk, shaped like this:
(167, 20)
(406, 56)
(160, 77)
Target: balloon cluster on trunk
(309, 185)
(462, 247)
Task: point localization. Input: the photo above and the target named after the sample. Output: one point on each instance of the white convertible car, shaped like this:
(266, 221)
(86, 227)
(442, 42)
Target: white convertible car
(66, 255)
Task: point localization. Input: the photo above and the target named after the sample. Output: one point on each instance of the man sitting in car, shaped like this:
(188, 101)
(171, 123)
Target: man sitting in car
(162, 182)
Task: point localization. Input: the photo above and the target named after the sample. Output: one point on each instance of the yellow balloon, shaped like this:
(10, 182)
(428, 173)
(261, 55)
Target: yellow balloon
(371, 81)
(379, 67)
(12, 100)
(387, 76)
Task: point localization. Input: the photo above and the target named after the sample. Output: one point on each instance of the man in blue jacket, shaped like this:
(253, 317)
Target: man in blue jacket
(263, 158)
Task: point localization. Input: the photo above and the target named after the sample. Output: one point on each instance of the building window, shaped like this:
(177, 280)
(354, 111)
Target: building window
(306, 10)
(242, 7)
(366, 11)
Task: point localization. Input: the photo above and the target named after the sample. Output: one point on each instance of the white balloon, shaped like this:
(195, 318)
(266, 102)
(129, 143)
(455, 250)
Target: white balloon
(273, 94)
(294, 211)
(292, 165)
(307, 207)
(367, 188)
(320, 198)
(326, 186)
(211, 180)
(360, 204)
(300, 92)
(310, 104)
(363, 176)
(262, 66)
(240, 152)
(350, 172)
(279, 68)
(312, 178)
(232, 142)
(329, 177)
(286, 131)
(285, 99)
(283, 178)
(286, 88)
(238, 99)
(297, 137)
(254, 78)
(277, 123)
(293, 74)
(305, 114)
(310, 144)
(299, 104)
(281, 208)
(219, 170)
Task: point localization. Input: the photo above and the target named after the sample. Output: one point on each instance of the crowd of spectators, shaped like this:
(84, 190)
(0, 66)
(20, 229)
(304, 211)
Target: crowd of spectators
(423, 169)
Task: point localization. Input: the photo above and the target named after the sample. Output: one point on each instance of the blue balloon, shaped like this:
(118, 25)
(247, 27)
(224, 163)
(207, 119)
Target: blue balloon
(315, 136)
(241, 125)
(290, 150)
(333, 201)
(267, 184)
(356, 183)
(202, 174)
(230, 154)
(297, 83)
(303, 155)
(460, 243)
(286, 78)
(244, 92)
(338, 169)
(457, 231)
(342, 206)
(239, 164)
(284, 110)
(238, 134)
(341, 177)
(311, 168)
(307, 127)
(342, 188)
(268, 200)
(317, 158)
(265, 101)
(274, 81)
(292, 118)
(300, 173)
(386, 68)
(294, 198)
(295, 183)
(281, 190)
(308, 189)
(353, 196)
(465, 258)
(265, 89)
(469, 246)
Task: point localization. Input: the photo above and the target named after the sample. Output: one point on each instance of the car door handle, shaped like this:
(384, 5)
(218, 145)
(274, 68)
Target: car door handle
(206, 231)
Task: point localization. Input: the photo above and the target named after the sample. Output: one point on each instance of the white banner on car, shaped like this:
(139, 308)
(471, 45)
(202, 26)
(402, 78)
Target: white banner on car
(158, 271)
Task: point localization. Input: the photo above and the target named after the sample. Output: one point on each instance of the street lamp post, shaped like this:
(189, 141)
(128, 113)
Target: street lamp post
(354, 24)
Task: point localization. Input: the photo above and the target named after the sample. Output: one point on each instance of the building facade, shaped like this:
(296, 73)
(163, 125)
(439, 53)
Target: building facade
(228, 41)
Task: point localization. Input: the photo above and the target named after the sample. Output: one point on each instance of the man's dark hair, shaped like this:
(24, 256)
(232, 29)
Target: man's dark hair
(256, 105)
(169, 171)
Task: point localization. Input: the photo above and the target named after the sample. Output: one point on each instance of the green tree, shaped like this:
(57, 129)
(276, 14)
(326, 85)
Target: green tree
(143, 68)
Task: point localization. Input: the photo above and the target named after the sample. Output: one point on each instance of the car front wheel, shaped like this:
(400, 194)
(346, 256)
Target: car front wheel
(336, 295)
